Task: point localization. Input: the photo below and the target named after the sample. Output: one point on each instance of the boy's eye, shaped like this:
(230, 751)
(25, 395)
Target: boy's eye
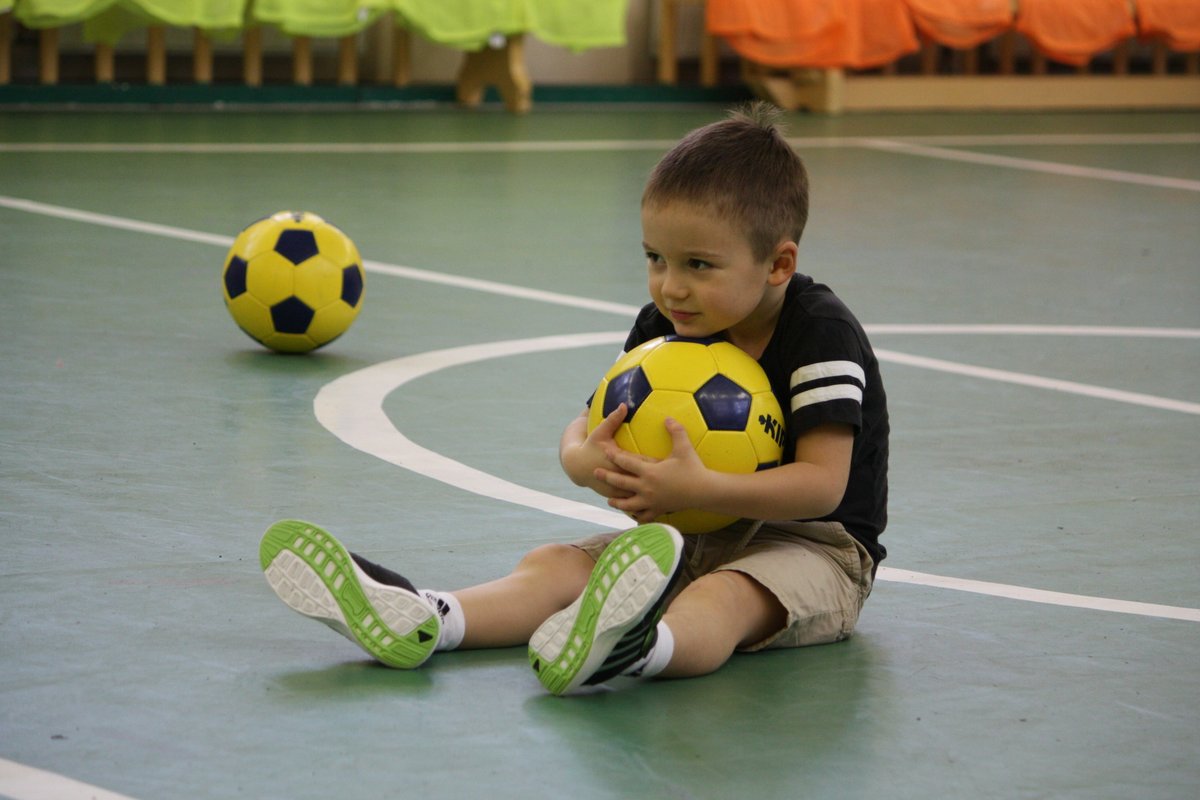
(653, 258)
(696, 263)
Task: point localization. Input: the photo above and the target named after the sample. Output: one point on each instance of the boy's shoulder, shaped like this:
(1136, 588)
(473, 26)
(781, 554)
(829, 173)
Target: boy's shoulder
(810, 303)
(804, 294)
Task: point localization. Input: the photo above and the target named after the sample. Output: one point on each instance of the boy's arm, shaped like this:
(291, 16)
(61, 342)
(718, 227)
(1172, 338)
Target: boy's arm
(582, 455)
(810, 487)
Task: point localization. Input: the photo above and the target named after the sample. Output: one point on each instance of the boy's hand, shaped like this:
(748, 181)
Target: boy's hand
(646, 488)
(583, 454)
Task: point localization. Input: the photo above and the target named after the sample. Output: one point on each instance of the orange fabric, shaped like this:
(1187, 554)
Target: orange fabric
(814, 33)
(1175, 21)
(962, 23)
(1072, 31)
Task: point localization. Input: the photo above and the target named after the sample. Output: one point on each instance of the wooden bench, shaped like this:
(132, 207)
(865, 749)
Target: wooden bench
(938, 77)
(502, 66)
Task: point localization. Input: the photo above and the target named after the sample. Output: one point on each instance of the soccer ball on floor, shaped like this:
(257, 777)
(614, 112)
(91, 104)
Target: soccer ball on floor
(716, 391)
(293, 282)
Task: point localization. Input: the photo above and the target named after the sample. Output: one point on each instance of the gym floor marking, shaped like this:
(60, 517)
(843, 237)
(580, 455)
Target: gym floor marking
(351, 407)
(21, 782)
(411, 456)
(587, 145)
(924, 146)
(369, 429)
(29, 783)
(1051, 167)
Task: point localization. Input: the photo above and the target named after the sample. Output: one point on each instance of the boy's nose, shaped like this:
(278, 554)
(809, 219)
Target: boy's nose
(674, 286)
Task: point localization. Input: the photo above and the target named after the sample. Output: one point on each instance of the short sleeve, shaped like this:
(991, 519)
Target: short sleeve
(828, 377)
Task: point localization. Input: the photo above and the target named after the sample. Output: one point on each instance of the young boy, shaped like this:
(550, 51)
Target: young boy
(722, 215)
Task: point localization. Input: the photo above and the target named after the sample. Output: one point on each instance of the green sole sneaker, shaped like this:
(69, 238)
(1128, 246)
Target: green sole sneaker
(607, 627)
(316, 576)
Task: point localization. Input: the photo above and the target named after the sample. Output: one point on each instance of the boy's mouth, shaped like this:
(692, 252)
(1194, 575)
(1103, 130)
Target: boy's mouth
(683, 316)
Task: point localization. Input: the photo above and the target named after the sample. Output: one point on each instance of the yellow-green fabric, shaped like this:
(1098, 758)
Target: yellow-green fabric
(106, 21)
(467, 24)
(110, 25)
(56, 13)
(317, 17)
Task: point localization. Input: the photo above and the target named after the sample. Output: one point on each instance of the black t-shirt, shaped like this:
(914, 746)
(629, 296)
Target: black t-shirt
(822, 369)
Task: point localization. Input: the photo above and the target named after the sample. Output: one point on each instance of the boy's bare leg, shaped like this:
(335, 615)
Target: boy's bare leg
(714, 616)
(506, 612)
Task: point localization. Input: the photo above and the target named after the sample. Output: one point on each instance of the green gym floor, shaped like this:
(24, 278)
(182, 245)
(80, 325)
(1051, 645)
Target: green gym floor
(1032, 283)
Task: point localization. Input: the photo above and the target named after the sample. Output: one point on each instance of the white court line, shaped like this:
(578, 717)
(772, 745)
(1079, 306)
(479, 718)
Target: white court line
(1035, 330)
(1054, 384)
(28, 783)
(1044, 139)
(395, 270)
(344, 148)
(21, 782)
(626, 310)
(1040, 595)
(351, 408)
(506, 289)
(1031, 165)
(109, 221)
(582, 145)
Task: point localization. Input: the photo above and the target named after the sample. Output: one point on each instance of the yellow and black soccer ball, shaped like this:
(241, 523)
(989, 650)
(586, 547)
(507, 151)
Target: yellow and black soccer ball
(715, 390)
(293, 282)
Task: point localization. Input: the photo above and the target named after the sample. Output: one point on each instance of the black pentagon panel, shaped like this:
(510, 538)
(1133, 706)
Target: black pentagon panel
(297, 246)
(631, 387)
(291, 316)
(724, 404)
(352, 285)
(235, 277)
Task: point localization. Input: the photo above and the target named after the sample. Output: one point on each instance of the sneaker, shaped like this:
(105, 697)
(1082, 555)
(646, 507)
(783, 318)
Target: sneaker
(611, 625)
(375, 608)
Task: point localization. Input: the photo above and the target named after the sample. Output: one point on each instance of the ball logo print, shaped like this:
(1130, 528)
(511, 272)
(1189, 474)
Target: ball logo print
(293, 282)
(717, 392)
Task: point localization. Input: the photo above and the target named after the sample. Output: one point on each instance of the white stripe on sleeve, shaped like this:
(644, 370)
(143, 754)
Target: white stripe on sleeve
(823, 394)
(829, 369)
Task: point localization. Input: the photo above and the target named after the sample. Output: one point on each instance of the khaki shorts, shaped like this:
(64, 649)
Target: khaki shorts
(816, 570)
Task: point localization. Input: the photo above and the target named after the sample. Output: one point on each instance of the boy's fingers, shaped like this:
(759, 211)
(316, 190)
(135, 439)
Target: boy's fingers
(679, 435)
(627, 461)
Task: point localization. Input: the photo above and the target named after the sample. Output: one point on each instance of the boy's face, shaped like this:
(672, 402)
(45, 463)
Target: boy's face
(703, 275)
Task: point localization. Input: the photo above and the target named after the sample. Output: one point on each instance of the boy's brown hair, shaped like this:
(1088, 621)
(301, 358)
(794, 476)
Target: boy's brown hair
(741, 167)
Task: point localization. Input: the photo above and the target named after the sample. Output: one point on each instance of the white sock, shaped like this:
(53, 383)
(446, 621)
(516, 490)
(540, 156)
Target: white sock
(659, 656)
(453, 622)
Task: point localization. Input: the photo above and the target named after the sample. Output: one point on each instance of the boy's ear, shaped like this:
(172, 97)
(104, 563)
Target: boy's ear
(783, 265)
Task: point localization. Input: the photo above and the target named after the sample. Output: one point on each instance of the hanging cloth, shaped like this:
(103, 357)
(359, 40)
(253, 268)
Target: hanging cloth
(962, 24)
(1177, 22)
(1070, 31)
(320, 18)
(858, 34)
(106, 21)
(469, 24)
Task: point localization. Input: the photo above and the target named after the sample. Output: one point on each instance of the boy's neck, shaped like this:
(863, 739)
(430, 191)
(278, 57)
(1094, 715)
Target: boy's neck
(753, 334)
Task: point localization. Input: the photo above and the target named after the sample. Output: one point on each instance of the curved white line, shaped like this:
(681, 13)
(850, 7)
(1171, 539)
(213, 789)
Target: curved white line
(22, 782)
(351, 408)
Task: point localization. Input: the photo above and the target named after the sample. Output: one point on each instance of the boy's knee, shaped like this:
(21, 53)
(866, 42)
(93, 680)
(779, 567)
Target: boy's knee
(560, 567)
(735, 606)
(557, 563)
